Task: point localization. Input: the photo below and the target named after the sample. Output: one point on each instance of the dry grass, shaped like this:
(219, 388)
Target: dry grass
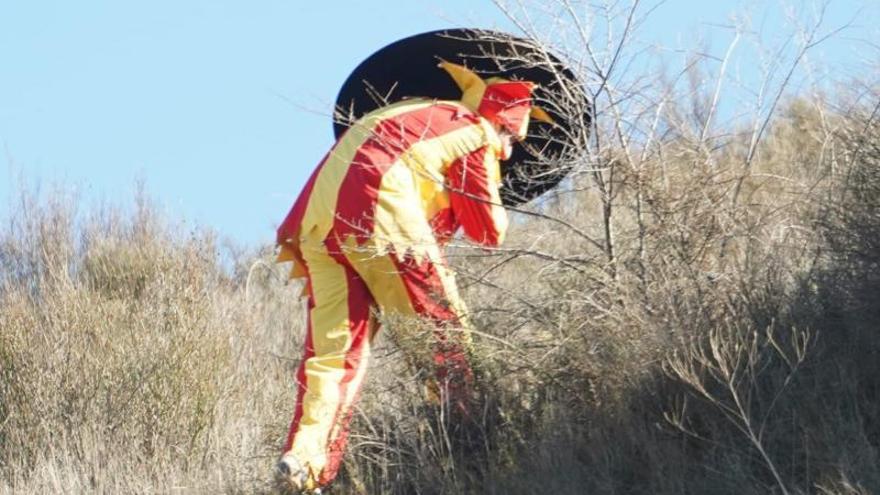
(131, 360)
(695, 313)
(135, 359)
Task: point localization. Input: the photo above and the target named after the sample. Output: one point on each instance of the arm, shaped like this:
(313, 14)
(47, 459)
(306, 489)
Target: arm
(473, 182)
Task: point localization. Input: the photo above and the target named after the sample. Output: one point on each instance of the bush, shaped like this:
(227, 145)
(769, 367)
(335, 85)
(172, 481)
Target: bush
(695, 311)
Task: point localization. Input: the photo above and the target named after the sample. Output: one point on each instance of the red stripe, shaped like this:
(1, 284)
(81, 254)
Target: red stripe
(360, 301)
(470, 197)
(444, 224)
(424, 288)
(290, 226)
(359, 191)
(507, 104)
(301, 373)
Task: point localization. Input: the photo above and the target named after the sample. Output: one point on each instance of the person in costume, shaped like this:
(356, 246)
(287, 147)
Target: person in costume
(368, 231)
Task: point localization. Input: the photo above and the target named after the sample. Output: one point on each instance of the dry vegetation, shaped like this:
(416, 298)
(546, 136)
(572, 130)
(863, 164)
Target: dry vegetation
(697, 312)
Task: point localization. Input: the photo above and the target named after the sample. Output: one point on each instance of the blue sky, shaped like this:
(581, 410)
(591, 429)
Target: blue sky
(221, 107)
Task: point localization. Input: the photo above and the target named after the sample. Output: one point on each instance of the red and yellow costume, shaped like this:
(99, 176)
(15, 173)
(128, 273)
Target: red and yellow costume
(367, 231)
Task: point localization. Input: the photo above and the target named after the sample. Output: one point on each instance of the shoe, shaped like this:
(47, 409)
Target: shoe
(290, 475)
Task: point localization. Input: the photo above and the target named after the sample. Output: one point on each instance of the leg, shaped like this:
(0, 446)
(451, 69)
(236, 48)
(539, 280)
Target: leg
(336, 355)
(423, 288)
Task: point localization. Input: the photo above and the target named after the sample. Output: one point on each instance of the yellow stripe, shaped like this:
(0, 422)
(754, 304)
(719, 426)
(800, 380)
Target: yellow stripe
(499, 214)
(413, 190)
(352, 389)
(381, 276)
(331, 338)
(319, 215)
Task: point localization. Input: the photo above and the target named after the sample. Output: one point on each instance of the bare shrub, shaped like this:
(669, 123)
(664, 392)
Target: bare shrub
(693, 311)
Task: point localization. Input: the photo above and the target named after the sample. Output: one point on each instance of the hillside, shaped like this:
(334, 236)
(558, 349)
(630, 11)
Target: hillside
(695, 311)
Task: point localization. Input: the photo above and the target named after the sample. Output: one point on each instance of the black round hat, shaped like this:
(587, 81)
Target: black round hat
(408, 68)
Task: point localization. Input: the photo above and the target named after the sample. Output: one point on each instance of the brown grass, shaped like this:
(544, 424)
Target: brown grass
(703, 320)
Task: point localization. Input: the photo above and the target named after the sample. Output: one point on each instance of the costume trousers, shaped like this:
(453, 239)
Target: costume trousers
(346, 283)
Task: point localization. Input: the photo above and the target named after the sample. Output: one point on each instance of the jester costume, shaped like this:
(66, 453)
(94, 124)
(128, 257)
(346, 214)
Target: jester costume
(368, 231)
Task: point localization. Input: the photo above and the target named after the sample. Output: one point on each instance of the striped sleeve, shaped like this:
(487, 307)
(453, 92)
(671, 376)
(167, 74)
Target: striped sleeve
(473, 182)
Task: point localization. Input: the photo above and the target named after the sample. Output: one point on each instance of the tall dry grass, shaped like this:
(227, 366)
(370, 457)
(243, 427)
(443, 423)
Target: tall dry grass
(137, 358)
(694, 312)
(132, 361)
